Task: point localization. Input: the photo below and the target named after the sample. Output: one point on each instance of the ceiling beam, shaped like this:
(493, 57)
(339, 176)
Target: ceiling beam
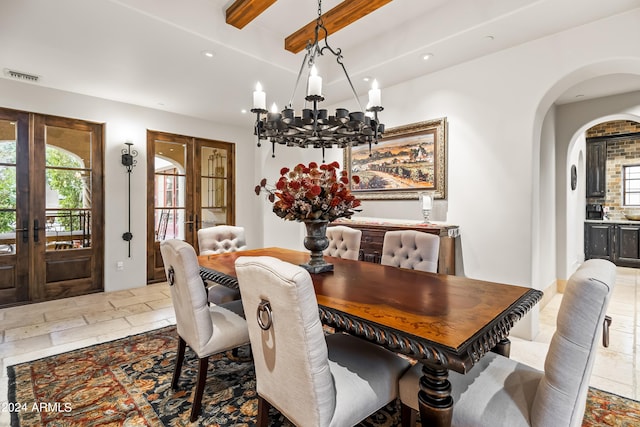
(334, 20)
(241, 12)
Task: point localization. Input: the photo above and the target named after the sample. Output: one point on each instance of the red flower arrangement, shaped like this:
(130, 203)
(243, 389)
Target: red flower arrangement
(311, 192)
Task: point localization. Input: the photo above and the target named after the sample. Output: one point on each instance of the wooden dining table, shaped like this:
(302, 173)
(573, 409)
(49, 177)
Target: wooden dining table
(445, 322)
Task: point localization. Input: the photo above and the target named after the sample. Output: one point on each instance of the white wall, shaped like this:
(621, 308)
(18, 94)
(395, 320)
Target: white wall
(126, 122)
(576, 200)
(544, 247)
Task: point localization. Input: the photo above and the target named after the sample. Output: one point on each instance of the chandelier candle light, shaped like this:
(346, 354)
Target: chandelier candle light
(315, 127)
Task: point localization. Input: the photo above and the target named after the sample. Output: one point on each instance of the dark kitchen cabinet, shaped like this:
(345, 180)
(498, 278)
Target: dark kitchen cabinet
(616, 242)
(596, 168)
(627, 245)
(599, 240)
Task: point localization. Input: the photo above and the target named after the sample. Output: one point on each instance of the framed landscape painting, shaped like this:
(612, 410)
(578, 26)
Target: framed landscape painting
(408, 160)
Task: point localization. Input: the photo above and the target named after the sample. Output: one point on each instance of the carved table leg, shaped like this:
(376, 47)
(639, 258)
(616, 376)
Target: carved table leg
(434, 397)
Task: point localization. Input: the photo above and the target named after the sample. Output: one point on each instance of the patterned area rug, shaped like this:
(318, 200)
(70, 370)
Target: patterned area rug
(127, 383)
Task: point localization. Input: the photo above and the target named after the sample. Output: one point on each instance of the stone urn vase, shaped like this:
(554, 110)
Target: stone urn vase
(316, 242)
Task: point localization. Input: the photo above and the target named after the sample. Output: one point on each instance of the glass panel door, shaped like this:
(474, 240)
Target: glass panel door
(51, 207)
(169, 195)
(67, 204)
(190, 186)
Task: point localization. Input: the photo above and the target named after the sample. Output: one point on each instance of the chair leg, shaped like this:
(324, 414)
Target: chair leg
(605, 331)
(263, 412)
(407, 416)
(179, 359)
(197, 397)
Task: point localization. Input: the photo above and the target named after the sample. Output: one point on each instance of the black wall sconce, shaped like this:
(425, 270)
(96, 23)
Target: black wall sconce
(129, 161)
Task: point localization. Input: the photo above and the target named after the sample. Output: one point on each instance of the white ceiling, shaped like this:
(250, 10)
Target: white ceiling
(149, 52)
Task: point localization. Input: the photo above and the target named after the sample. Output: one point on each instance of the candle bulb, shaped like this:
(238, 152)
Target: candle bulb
(426, 201)
(375, 97)
(273, 115)
(259, 98)
(314, 87)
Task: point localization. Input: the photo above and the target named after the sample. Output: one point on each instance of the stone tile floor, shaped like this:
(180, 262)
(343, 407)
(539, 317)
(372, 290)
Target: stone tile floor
(38, 330)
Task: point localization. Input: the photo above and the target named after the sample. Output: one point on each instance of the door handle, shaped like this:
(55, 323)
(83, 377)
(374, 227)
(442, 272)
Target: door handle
(36, 228)
(25, 231)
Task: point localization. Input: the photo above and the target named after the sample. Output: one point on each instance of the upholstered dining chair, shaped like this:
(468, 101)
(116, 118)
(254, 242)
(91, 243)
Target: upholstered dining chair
(216, 240)
(344, 242)
(313, 380)
(411, 249)
(206, 329)
(502, 392)
(220, 239)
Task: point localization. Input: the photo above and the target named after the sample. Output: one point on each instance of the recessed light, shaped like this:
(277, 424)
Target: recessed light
(579, 95)
(243, 111)
(427, 56)
(489, 38)
(366, 78)
(208, 53)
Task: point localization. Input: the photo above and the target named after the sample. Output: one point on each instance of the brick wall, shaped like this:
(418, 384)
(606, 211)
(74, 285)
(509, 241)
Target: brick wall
(620, 152)
(618, 127)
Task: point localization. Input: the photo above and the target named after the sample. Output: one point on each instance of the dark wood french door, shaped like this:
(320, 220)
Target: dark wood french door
(51, 207)
(190, 185)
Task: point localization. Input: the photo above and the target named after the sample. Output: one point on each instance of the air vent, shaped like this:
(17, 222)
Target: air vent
(19, 75)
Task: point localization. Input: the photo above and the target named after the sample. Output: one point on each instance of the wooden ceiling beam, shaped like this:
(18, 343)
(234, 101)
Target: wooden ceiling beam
(334, 20)
(241, 12)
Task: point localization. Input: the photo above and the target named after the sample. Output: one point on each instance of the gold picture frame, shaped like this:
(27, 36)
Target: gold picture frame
(408, 160)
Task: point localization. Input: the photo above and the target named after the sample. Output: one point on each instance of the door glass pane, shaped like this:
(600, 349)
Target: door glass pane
(76, 144)
(214, 177)
(170, 191)
(7, 187)
(68, 188)
(7, 142)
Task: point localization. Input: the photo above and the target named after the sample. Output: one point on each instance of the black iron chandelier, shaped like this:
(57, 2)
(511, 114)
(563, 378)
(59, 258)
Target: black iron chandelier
(315, 127)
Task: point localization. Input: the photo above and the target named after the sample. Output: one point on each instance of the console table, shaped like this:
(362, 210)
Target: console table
(373, 232)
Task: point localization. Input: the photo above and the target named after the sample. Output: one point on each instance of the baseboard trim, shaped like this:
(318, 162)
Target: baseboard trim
(549, 292)
(561, 286)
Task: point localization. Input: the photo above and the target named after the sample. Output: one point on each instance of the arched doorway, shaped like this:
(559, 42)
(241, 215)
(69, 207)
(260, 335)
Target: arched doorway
(555, 236)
